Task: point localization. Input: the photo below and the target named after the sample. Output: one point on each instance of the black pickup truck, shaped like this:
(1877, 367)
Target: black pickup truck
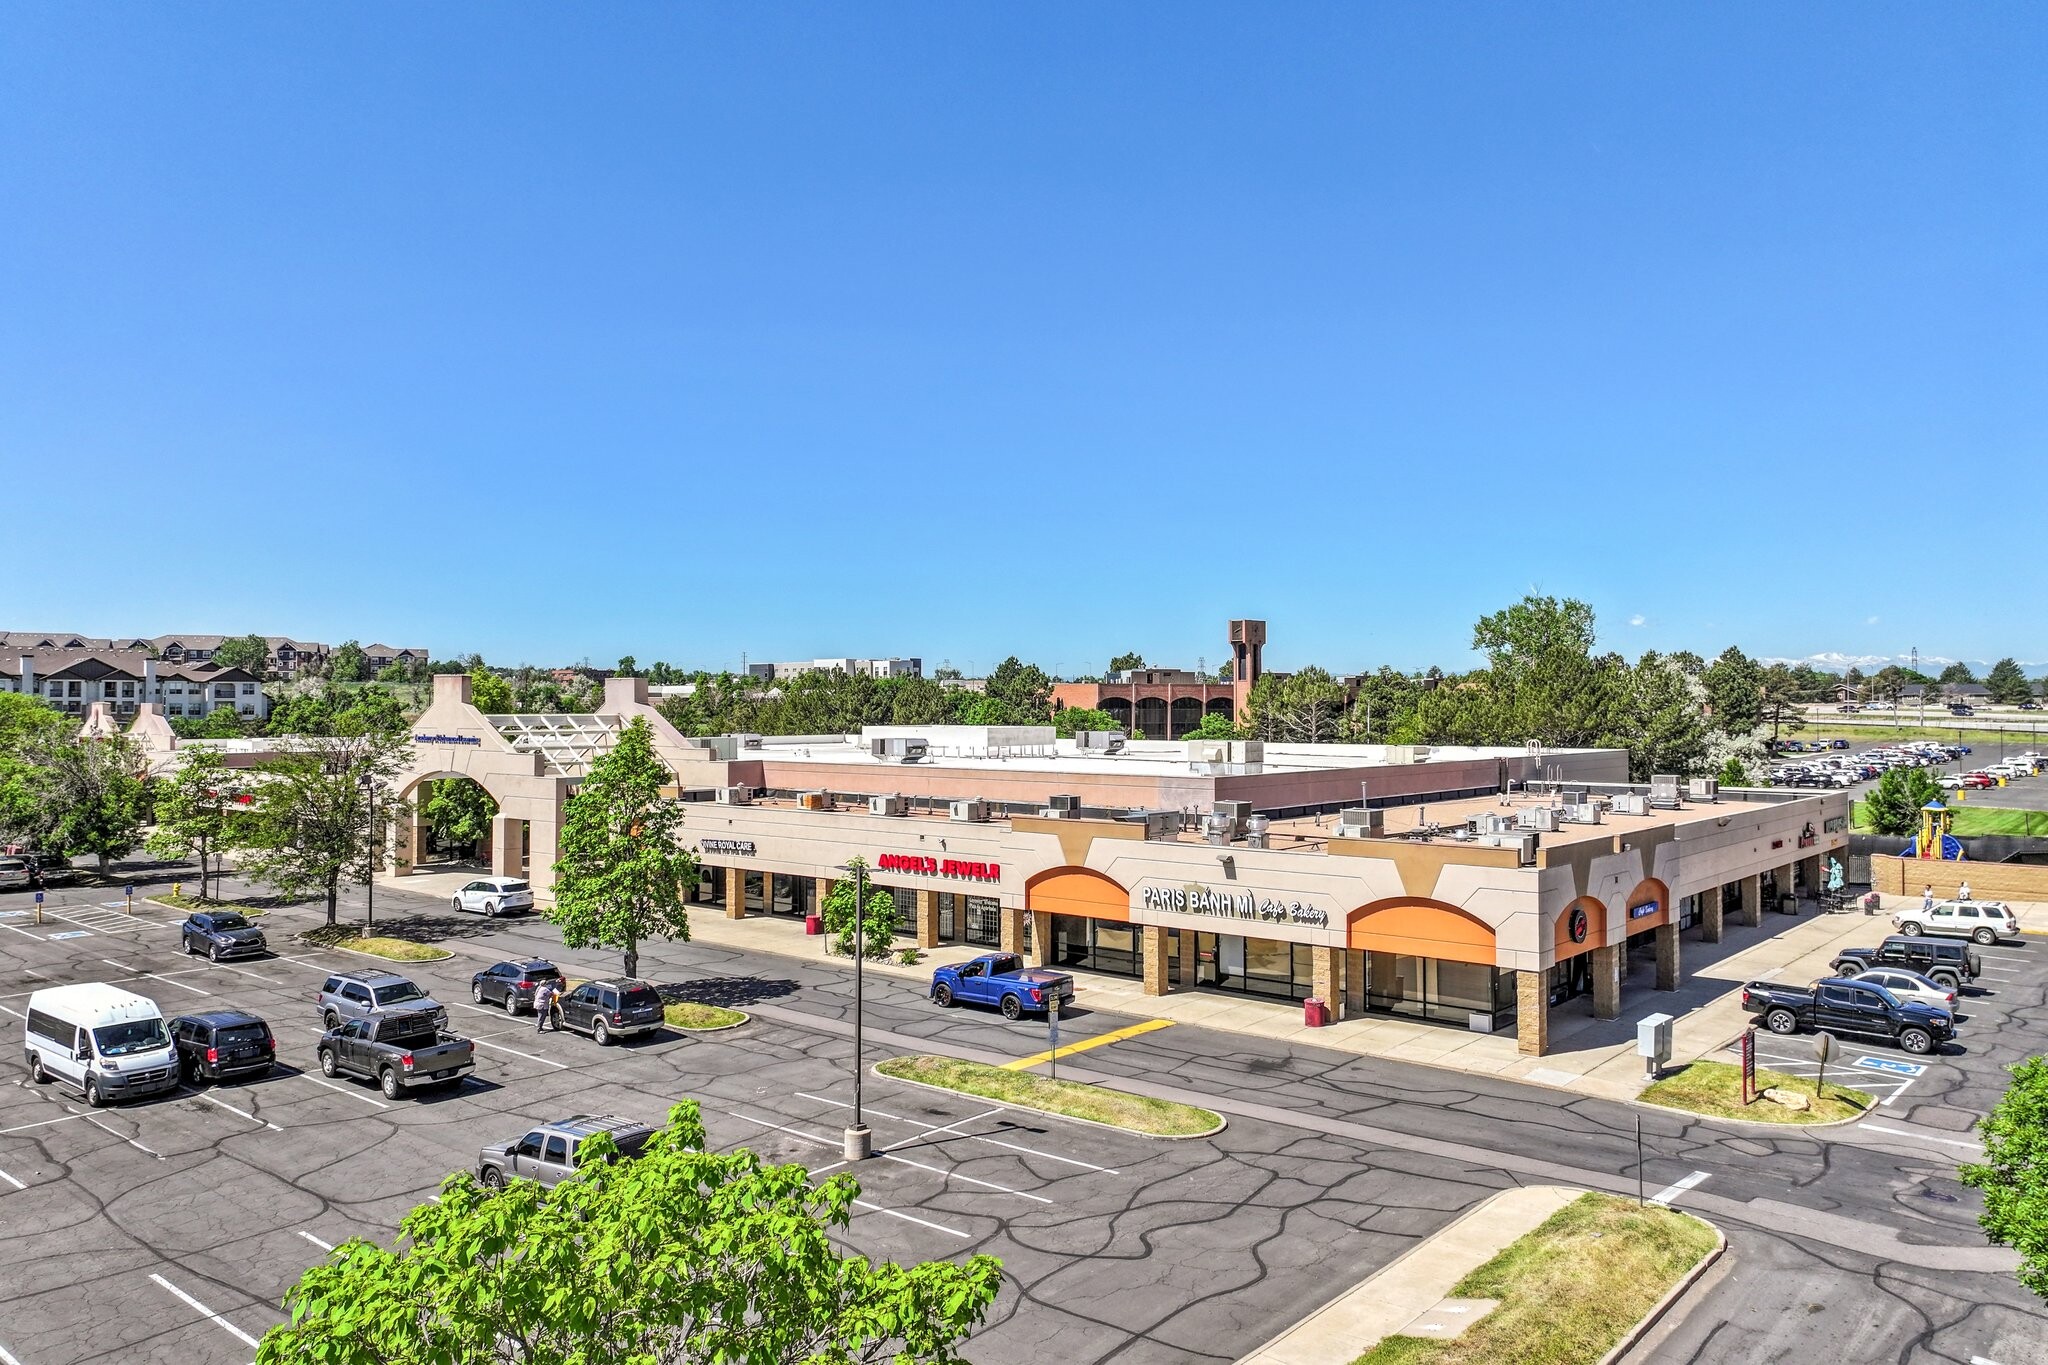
(398, 1050)
(1843, 1006)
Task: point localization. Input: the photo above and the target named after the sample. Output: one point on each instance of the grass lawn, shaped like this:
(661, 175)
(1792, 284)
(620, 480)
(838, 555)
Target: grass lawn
(2022, 734)
(1137, 1113)
(178, 900)
(1715, 1089)
(396, 949)
(1569, 1290)
(1973, 819)
(694, 1017)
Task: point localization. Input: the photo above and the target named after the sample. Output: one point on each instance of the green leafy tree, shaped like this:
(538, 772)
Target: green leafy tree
(28, 729)
(629, 667)
(878, 918)
(1779, 699)
(490, 693)
(1223, 671)
(1957, 672)
(2013, 1177)
(1073, 719)
(1386, 701)
(251, 652)
(1213, 726)
(1022, 694)
(459, 812)
(622, 869)
(1299, 708)
(312, 829)
(945, 673)
(1735, 686)
(680, 1255)
(90, 797)
(1733, 774)
(395, 673)
(348, 663)
(200, 813)
(1663, 724)
(223, 722)
(1543, 684)
(921, 701)
(1894, 804)
(2007, 684)
(1126, 661)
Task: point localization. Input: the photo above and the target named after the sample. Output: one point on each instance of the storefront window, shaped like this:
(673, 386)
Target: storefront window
(949, 917)
(1256, 966)
(1095, 945)
(1429, 988)
(906, 911)
(984, 921)
(791, 895)
(756, 891)
(711, 886)
(1688, 911)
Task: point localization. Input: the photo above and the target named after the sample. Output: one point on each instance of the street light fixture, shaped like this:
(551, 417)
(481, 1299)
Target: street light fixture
(859, 1140)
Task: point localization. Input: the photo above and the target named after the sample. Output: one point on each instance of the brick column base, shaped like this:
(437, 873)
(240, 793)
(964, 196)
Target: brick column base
(1154, 954)
(1326, 977)
(927, 919)
(1711, 912)
(735, 893)
(1753, 900)
(1011, 930)
(1532, 1014)
(1667, 957)
(1607, 981)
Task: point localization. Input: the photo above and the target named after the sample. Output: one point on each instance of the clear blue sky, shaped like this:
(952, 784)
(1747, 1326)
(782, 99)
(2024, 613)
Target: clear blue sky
(957, 330)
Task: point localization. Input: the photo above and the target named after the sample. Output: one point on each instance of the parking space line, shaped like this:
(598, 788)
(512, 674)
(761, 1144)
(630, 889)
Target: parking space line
(480, 1009)
(216, 1319)
(129, 1140)
(898, 1213)
(780, 1128)
(344, 1090)
(972, 1137)
(324, 1246)
(1677, 1187)
(1924, 1137)
(944, 1174)
(12, 1181)
(40, 1123)
(1083, 1044)
(122, 965)
(544, 1061)
(153, 976)
(6, 1358)
(223, 1104)
(16, 1013)
(23, 932)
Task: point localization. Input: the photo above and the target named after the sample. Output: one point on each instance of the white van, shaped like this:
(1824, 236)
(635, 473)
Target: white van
(99, 1040)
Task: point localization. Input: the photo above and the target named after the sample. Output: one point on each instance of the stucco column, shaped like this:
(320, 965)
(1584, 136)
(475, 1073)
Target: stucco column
(1785, 875)
(1753, 899)
(1532, 1012)
(1607, 981)
(409, 836)
(927, 918)
(1326, 977)
(824, 889)
(508, 835)
(1010, 930)
(540, 854)
(1809, 868)
(1667, 957)
(1153, 947)
(735, 893)
(1710, 914)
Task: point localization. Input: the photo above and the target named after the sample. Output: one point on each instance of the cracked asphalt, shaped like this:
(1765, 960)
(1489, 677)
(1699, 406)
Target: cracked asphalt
(167, 1231)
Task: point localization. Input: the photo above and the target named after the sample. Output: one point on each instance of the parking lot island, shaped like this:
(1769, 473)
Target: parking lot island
(1714, 1090)
(1062, 1099)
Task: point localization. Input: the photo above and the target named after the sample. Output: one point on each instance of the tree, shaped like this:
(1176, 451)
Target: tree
(1733, 774)
(1894, 804)
(682, 1254)
(1022, 694)
(199, 814)
(628, 667)
(1223, 671)
(1214, 726)
(1073, 719)
(1958, 672)
(222, 722)
(28, 728)
(2006, 684)
(1385, 701)
(312, 829)
(2013, 1177)
(878, 917)
(91, 796)
(395, 672)
(490, 693)
(348, 663)
(945, 673)
(622, 869)
(1543, 684)
(460, 813)
(1735, 692)
(250, 652)
(1663, 722)
(1778, 704)
(1126, 661)
(1300, 708)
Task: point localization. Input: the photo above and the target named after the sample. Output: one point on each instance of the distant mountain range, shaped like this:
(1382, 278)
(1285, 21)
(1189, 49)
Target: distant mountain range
(1835, 662)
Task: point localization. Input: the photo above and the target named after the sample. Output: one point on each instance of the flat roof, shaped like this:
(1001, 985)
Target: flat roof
(1452, 815)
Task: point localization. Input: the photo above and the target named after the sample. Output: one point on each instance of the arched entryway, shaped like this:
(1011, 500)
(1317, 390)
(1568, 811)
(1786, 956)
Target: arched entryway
(1426, 959)
(1646, 909)
(1581, 927)
(1119, 709)
(1150, 717)
(455, 824)
(1082, 919)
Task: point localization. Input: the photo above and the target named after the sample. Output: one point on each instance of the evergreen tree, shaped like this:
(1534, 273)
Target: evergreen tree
(2007, 684)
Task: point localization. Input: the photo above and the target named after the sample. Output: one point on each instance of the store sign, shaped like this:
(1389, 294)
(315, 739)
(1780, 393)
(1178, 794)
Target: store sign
(1645, 910)
(446, 739)
(731, 848)
(1807, 839)
(1576, 924)
(1226, 904)
(1835, 824)
(917, 865)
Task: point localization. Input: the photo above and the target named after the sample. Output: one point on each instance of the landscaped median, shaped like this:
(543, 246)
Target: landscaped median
(351, 939)
(692, 1017)
(1714, 1089)
(1064, 1099)
(1568, 1292)
(178, 900)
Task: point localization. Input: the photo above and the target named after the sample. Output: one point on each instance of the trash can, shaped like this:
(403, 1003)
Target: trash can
(814, 924)
(1314, 1013)
(1788, 905)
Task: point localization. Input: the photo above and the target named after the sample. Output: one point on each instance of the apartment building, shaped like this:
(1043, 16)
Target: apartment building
(71, 680)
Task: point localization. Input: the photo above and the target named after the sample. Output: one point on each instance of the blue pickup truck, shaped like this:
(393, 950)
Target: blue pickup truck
(1002, 980)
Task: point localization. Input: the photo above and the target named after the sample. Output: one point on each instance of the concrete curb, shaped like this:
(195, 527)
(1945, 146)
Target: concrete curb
(1221, 1121)
(1677, 1291)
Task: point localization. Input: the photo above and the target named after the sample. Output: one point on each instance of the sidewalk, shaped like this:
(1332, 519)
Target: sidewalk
(1414, 1285)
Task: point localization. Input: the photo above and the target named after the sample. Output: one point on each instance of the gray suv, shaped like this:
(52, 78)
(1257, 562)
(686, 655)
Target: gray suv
(370, 994)
(548, 1153)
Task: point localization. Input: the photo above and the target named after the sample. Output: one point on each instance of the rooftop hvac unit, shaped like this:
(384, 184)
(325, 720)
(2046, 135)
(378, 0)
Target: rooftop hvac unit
(1573, 796)
(748, 741)
(888, 805)
(1240, 811)
(1257, 832)
(1524, 842)
(1162, 824)
(1065, 805)
(1219, 828)
(1542, 819)
(1664, 791)
(1704, 789)
(1206, 751)
(1361, 822)
(1584, 814)
(898, 748)
(1495, 823)
(735, 796)
(1631, 803)
(975, 812)
(1055, 813)
(1109, 740)
(813, 801)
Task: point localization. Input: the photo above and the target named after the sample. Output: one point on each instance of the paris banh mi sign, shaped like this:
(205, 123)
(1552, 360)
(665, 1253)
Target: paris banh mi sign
(1225, 903)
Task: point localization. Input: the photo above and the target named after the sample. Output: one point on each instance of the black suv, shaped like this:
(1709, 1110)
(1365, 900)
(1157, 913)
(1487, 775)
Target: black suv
(222, 1045)
(1952, 963)
(220, 934)
(611, 1009)
(512, 984)
(53, 868)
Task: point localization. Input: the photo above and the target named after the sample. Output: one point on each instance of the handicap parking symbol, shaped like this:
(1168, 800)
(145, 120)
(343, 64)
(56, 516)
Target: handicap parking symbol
(1889, 1067)
(73, 933)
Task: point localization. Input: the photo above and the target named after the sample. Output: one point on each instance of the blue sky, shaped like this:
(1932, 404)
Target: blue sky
(963, 330)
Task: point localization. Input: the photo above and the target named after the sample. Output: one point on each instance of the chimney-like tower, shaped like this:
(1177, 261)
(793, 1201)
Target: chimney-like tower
(1247, 662)
(28, 675)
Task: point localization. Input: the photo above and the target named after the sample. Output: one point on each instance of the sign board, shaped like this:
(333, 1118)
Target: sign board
(731, 848)
(447, 739)
(1645, 910)
(1225, 903)
(1889, 1067)
(920, 866)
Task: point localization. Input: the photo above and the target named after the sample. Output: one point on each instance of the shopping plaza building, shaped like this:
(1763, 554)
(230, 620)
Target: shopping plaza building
(1475, 888)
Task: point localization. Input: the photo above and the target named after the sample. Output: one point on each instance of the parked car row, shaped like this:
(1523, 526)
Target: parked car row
(1903, 991)
(27, 871)
(1846, 770)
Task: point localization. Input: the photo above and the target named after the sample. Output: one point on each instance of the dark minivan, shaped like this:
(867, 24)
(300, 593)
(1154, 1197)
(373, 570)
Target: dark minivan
(222, 1045)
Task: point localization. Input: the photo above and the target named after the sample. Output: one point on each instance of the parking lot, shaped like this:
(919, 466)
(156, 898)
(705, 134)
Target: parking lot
(168, 1230)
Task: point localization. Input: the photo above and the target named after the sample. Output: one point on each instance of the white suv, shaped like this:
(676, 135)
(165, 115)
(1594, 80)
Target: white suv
(492, 895)
(1981, 921)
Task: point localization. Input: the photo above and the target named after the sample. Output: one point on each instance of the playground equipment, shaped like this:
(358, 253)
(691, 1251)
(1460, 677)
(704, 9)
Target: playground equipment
(1934, 840)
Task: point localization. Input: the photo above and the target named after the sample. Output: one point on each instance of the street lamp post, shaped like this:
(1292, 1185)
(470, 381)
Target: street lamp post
(859, 1140)
(369, 785)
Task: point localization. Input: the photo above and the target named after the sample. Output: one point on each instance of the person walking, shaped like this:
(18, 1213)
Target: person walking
(1927, 900)
(1963, 892)
(544, 1007)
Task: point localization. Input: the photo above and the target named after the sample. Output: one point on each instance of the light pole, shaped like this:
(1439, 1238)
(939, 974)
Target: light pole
(859, 1140)
(369, 786)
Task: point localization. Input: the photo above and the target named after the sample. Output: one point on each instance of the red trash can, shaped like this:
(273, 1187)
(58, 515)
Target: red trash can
(1314, 1013)
(814, 924)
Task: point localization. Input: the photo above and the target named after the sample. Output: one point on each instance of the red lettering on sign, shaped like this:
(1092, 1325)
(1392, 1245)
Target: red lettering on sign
(919, 865)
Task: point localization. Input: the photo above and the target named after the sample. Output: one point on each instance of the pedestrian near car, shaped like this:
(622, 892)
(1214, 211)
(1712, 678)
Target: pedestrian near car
(544, 1007)
(1963, 892)
(1927, 900)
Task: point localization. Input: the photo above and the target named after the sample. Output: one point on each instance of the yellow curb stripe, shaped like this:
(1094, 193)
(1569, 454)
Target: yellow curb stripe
(1099, 1040)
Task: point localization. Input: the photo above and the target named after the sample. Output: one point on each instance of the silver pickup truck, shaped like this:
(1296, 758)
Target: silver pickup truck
(398, 1051)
